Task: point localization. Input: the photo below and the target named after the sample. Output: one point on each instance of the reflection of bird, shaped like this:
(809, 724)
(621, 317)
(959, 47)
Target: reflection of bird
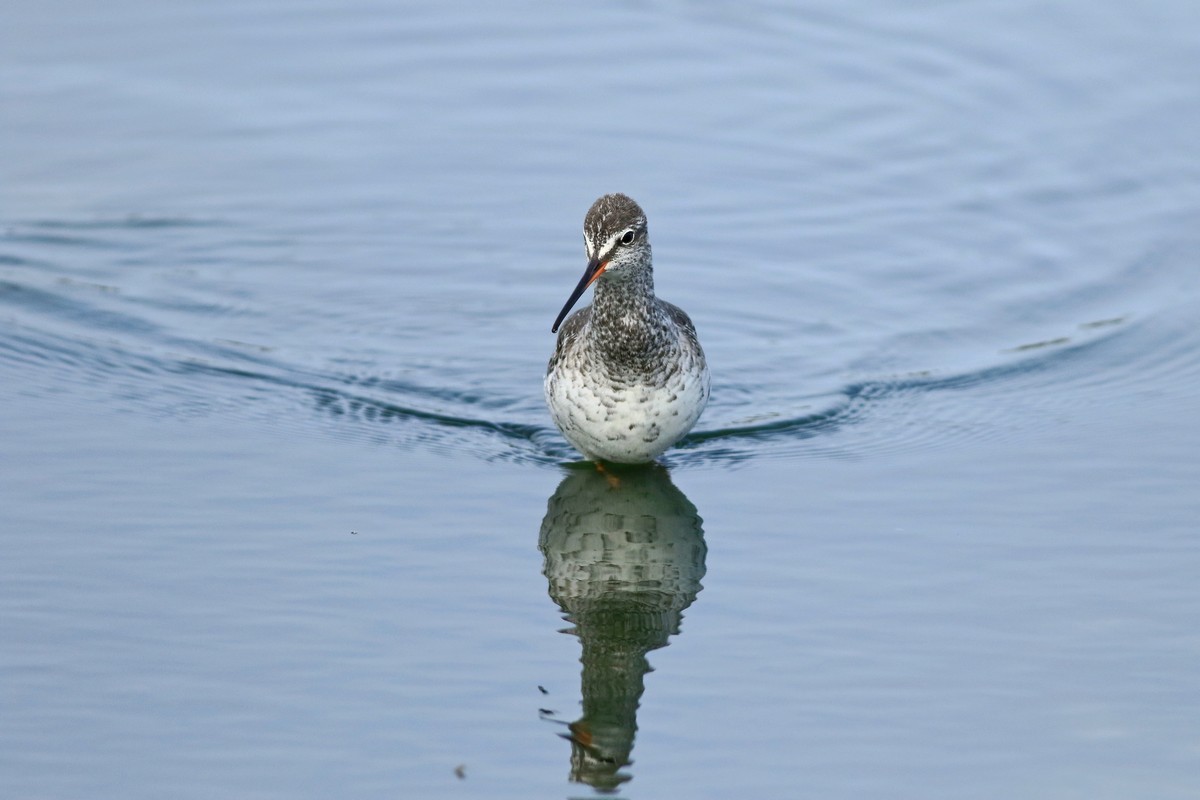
(628, 378)
(623, 563)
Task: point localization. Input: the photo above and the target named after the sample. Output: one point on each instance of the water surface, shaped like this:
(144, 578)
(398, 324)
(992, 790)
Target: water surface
(284, 514)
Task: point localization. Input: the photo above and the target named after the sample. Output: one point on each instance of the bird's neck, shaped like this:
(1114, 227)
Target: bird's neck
(626, 300)
(628, 322)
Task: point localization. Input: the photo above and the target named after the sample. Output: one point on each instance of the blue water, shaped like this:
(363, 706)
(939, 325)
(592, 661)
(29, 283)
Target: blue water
(282, 511)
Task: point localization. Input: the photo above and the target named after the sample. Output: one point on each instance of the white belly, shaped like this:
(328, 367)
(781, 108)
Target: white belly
(625, 424)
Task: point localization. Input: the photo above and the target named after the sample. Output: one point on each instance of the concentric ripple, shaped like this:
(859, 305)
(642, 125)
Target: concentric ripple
(65, 329)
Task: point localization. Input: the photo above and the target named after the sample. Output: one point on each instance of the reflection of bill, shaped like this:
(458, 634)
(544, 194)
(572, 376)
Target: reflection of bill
(624, 555)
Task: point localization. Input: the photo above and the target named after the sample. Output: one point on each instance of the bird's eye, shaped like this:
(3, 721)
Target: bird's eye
(627, 238)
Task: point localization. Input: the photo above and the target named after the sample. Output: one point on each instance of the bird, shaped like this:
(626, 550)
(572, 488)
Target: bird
(628, 378)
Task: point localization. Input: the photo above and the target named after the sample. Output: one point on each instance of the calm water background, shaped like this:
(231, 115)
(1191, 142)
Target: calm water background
(283, 514)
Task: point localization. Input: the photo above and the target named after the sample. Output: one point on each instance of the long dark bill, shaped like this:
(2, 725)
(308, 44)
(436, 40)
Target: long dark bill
(595, 269)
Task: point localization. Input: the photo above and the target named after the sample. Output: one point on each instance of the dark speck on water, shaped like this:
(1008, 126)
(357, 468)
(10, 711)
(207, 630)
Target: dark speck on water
(269, 267)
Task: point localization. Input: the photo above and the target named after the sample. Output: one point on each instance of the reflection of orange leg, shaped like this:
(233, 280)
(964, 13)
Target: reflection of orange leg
(580, 733)
(613, 481)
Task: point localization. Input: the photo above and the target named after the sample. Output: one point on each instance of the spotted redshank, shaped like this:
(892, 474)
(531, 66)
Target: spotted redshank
(628, 378)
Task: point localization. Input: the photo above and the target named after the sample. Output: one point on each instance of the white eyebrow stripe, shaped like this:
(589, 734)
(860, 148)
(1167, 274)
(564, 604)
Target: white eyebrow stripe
(611, 243)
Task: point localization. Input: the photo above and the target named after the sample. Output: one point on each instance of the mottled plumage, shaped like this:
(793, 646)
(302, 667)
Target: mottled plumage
(628, 377)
